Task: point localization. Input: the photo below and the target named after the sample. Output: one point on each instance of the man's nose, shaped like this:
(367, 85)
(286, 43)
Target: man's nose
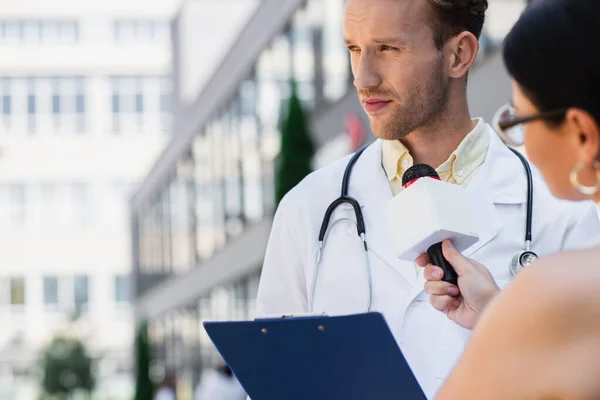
(366, 75)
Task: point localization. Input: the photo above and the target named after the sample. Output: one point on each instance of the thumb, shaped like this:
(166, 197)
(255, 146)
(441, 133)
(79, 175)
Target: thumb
(461, 264)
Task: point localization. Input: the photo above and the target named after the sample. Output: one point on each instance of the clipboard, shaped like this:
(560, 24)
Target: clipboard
(353, 357)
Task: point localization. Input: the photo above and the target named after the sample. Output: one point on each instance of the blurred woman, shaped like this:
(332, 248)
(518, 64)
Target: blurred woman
(540, 339)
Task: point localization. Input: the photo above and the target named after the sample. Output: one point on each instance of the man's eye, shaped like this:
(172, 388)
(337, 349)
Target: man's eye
(386, 48)
(353, 48)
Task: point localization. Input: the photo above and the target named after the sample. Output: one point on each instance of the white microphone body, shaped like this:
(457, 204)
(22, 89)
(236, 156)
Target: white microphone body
(428, 212)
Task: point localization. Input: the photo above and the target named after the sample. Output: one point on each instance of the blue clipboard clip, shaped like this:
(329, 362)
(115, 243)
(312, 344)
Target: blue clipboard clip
(274, 317)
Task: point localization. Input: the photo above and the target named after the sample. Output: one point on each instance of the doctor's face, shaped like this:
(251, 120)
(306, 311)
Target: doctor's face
(398, 71)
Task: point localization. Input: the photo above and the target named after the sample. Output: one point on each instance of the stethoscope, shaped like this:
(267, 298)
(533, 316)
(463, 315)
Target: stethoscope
(520, 260)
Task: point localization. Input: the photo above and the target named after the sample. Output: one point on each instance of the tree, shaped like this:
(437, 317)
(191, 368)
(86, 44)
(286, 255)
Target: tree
(144, 388)
(297, 148)
(67, 367)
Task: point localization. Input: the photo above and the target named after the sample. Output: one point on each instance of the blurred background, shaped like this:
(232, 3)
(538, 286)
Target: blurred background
(139, 148)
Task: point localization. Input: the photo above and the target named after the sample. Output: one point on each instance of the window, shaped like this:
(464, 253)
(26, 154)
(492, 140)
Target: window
(59, 205)
(141, 31)
(165, 103)
(50, 290)
(68, 31)
(122, 289)
(55, 104)
(31, 113)
(48, 193)
(335, 59)
(50, 214)
(79, 104)
(37, 98)
(140, 103)
(68, 104)
(303, 57)
(80, 291)
(5, 218)
(31, 104)
(123, 89)
(5, 99)
(33, 31)
(12, 32)
(116, 102)
(17, 204)
(17, 291)
(6, 105)
(80, 204)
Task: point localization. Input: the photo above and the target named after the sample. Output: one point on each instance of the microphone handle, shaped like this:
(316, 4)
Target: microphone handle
(437, 258)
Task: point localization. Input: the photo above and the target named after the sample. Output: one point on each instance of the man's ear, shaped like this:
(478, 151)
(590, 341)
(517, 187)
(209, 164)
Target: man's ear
(462, 51)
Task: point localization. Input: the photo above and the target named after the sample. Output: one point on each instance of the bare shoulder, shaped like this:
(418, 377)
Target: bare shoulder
(547, 294)
(564, 280)
(549, 316)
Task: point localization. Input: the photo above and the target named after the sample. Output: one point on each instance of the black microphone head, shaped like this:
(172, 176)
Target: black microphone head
(419, 171)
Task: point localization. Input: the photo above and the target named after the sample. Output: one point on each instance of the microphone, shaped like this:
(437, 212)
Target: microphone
(436, 256)
(427, 212)
(416, 172)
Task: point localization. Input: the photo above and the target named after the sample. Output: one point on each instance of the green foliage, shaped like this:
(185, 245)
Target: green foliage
(297, 148)
(144, 388)
(67, 367)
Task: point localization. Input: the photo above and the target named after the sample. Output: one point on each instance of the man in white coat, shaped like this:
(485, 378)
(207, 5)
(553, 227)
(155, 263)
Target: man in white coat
(410, 60)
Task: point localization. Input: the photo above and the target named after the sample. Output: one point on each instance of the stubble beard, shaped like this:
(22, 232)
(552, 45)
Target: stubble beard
(418, 108)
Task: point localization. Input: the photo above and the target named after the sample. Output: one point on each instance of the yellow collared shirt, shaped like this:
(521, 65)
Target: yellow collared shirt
(457, 169)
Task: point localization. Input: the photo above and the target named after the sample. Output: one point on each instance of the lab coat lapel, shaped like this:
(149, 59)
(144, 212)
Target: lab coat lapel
(501, 180)
(369, 185)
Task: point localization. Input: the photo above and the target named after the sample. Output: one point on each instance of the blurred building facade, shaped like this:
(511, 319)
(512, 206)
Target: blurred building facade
(202, 216)
(85, 108)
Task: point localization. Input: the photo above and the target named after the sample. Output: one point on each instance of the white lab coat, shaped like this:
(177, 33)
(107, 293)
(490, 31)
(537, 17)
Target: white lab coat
(430, 342)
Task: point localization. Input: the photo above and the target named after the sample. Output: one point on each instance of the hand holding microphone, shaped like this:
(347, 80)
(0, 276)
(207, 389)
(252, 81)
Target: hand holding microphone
(476, 287)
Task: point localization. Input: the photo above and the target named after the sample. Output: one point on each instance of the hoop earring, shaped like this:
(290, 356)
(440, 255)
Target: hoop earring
(587, 190)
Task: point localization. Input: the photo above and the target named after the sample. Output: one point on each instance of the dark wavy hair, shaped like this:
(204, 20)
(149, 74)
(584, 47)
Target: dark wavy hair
(553, 52)
(448, 18)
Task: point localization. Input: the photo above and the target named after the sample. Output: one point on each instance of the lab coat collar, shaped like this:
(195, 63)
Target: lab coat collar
(502, 177)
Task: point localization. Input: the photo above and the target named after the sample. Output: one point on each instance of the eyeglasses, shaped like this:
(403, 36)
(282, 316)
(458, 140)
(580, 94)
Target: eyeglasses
(510, 127)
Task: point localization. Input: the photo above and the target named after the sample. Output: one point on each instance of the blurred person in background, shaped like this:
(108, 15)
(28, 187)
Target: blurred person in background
(219, 384)
(540, 339)
(168, 388)
(410, 60)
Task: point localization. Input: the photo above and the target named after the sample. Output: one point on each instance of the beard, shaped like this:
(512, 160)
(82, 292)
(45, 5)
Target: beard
(419, 105)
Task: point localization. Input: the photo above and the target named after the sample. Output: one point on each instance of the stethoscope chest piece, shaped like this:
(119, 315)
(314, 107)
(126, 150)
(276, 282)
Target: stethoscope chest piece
(525, 257)
(521, 260)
